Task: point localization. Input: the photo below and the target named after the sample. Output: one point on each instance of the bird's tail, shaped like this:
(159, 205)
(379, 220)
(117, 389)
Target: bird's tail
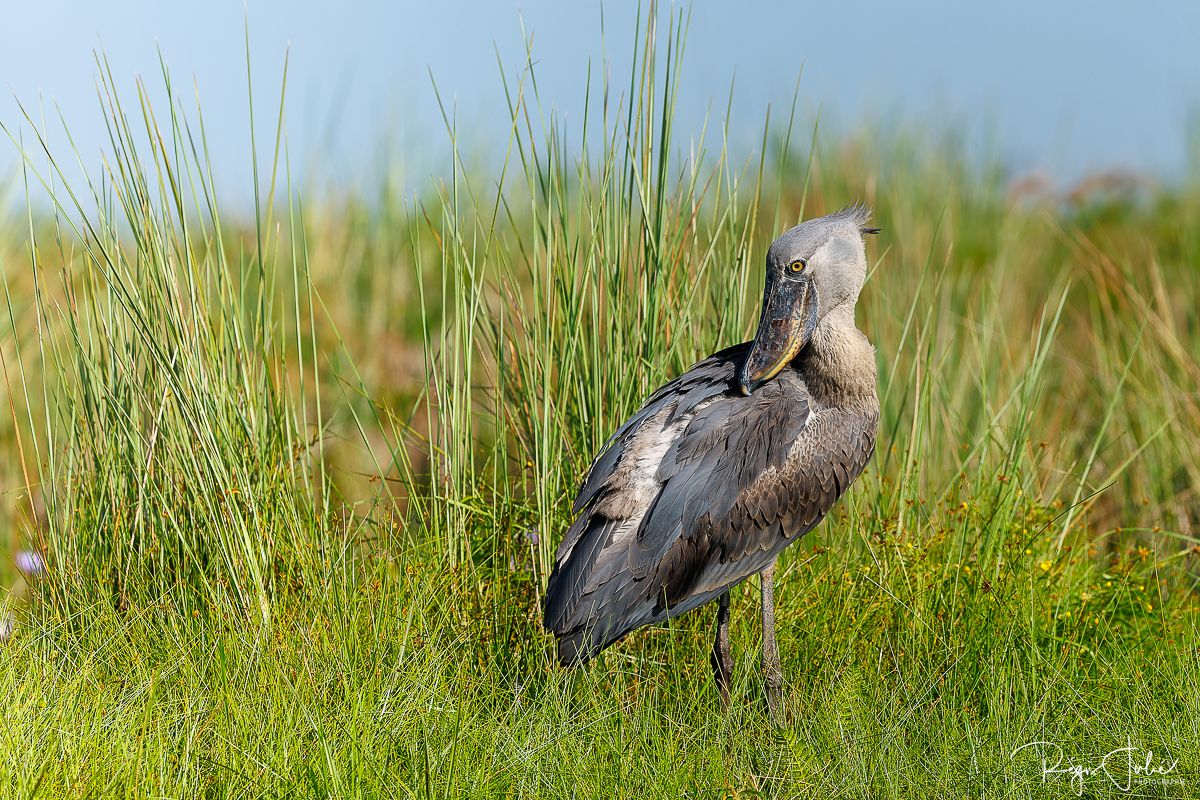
(579, 645)
(576, 648)
(586, 619)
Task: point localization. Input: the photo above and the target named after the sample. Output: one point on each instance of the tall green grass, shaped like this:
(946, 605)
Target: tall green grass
(174, 464)
(299, 480)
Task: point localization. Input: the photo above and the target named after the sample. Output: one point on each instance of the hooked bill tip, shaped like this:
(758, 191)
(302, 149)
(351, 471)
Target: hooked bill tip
(748, 386)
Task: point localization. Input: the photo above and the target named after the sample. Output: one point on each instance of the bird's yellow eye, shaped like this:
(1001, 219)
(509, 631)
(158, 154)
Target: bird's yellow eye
(798, 265)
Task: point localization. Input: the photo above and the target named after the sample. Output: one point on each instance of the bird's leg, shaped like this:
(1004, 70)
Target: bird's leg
(722, 662)
(772, 672)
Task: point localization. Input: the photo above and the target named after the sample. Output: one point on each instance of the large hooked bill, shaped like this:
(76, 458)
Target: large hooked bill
(789, 316)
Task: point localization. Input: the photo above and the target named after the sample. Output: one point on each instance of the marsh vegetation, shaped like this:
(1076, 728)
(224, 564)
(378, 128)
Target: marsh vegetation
(298, 477)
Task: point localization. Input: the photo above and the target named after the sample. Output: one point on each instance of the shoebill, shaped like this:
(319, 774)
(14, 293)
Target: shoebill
(728, 464)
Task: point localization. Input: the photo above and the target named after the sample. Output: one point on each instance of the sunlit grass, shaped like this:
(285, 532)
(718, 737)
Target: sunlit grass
(298, 481)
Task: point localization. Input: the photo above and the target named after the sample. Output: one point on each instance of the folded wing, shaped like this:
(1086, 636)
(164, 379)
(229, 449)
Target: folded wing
(701, 488)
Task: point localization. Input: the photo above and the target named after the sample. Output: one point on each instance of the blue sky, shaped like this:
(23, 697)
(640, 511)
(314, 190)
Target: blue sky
(1061, 86)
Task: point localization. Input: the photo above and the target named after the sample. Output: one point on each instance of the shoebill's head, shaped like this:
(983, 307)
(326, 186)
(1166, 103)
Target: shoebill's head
(816, 267)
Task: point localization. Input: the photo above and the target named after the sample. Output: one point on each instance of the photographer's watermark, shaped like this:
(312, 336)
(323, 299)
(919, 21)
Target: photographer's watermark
(1124, 767)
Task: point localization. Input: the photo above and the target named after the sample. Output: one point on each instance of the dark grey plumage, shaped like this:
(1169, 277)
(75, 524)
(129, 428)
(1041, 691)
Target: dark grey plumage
(707, 483)
(741, 479)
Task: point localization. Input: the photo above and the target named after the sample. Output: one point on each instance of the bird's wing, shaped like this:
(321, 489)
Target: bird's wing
(622, 483)
(701, 488)
(725, 512)
(706, 379)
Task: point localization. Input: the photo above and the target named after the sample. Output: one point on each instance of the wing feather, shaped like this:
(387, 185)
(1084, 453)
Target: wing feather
(706, 379)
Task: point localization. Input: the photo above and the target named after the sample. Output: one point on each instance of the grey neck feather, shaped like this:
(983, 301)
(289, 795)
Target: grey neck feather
(839, 362)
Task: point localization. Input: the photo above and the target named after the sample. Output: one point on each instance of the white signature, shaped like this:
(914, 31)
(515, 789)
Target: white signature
(1120, 766)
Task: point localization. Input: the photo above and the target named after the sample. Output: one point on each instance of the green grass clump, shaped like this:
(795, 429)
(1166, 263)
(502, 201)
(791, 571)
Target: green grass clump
(299, 481)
